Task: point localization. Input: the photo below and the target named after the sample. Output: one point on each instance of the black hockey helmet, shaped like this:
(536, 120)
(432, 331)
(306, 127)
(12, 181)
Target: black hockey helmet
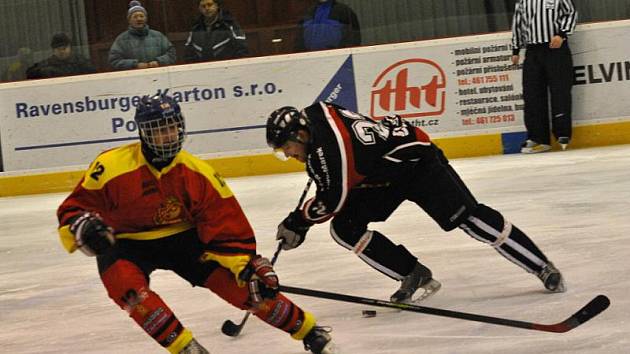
(161, 125)
(283, 124)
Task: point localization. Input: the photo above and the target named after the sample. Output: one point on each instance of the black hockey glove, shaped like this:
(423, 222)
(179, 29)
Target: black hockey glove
(262, 281)
(92, 236)
(292, 230)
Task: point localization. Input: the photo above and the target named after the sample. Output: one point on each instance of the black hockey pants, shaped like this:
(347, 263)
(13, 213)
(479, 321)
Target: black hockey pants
(438, 190)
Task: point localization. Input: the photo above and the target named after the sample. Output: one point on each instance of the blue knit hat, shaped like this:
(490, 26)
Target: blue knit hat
(135, 6)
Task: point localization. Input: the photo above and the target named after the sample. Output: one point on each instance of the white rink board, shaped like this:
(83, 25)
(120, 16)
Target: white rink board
(221, 100)
(450, 87)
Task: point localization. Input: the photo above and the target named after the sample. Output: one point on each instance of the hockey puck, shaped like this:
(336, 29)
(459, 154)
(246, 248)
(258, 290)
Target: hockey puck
(369, 313)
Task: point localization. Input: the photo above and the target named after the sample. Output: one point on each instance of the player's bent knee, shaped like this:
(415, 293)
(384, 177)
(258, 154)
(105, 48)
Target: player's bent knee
(345, 234)
(450, 219)
(124, 281)
(222, 282)
(487, 225)
(127, 285)
(489, 216)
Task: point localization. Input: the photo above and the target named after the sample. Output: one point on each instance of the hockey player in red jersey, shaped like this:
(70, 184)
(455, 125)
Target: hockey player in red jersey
(151, 205)
(364, 169)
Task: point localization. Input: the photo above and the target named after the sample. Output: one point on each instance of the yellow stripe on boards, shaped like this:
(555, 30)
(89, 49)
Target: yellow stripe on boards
(600, 135)
(39, 183)
(584, 136)
(469, 146)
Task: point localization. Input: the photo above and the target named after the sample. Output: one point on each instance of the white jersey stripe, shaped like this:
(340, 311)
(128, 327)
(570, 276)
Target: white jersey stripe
(390, 273)
(344, 160)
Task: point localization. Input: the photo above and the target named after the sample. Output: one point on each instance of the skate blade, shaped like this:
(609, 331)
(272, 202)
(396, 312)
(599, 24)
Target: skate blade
(424, 292)
(430, 288)
(331, 348)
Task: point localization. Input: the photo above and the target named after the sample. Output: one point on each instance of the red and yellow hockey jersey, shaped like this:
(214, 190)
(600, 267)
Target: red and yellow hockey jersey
(141, 203)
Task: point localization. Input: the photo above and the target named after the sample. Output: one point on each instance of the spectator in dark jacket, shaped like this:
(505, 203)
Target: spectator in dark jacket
(140, 47)
(328, 24)
(62, 62)
(215, 36)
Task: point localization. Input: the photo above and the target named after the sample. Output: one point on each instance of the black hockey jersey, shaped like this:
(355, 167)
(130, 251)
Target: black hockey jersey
(348, 149)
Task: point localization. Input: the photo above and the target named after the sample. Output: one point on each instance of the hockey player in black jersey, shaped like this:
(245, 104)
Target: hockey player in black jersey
(364, 169)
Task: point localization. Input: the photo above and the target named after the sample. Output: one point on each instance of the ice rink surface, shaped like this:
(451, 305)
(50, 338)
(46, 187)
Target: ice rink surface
(575, 205)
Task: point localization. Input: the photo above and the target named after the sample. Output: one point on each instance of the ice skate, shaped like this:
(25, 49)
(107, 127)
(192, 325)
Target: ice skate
(552, 278)
(564, 142)
(532, 147)
(194, 348)
(416, 286)
(319, 341)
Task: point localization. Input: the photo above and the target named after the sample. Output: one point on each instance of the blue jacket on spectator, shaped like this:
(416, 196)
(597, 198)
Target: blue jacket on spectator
(141, 45)
(328, 24)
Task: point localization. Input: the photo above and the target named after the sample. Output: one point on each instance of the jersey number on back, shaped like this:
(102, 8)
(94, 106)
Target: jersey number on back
(366, 130)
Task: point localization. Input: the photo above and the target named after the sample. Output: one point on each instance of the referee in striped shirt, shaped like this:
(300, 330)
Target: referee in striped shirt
(541, 26)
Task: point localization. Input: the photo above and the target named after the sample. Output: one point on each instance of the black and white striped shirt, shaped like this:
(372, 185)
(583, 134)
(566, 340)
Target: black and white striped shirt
(537, 21)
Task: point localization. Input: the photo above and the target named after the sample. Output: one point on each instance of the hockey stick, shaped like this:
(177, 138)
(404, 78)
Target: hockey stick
(232, 329)
(592, 309)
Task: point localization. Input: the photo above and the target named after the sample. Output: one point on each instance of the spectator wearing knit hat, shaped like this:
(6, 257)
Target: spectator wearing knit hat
(139, 46)
(62, 62)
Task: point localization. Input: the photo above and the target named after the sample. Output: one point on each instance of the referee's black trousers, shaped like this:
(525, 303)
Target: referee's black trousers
(547, 72)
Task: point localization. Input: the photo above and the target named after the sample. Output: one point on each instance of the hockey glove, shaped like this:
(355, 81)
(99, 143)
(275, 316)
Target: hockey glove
(91, 235)
(262, 281)
(292, 230)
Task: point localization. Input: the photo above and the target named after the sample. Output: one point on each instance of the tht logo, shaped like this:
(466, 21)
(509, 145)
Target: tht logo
(410, 88)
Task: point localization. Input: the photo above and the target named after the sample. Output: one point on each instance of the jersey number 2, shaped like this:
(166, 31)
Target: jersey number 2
(98, 171)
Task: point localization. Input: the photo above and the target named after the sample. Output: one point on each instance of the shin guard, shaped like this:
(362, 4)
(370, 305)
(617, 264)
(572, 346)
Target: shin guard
(279, 312)
(127, 285)
(489, 226)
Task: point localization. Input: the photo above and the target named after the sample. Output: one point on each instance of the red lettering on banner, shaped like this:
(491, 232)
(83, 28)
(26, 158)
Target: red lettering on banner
(410, 88)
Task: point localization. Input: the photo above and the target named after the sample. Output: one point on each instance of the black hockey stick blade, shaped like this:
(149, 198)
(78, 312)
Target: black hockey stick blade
(229, 328)
(232, 329)
(592, 309)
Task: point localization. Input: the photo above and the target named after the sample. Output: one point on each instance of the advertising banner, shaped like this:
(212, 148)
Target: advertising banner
(68, 121)
(449, 87)
(469, 85)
